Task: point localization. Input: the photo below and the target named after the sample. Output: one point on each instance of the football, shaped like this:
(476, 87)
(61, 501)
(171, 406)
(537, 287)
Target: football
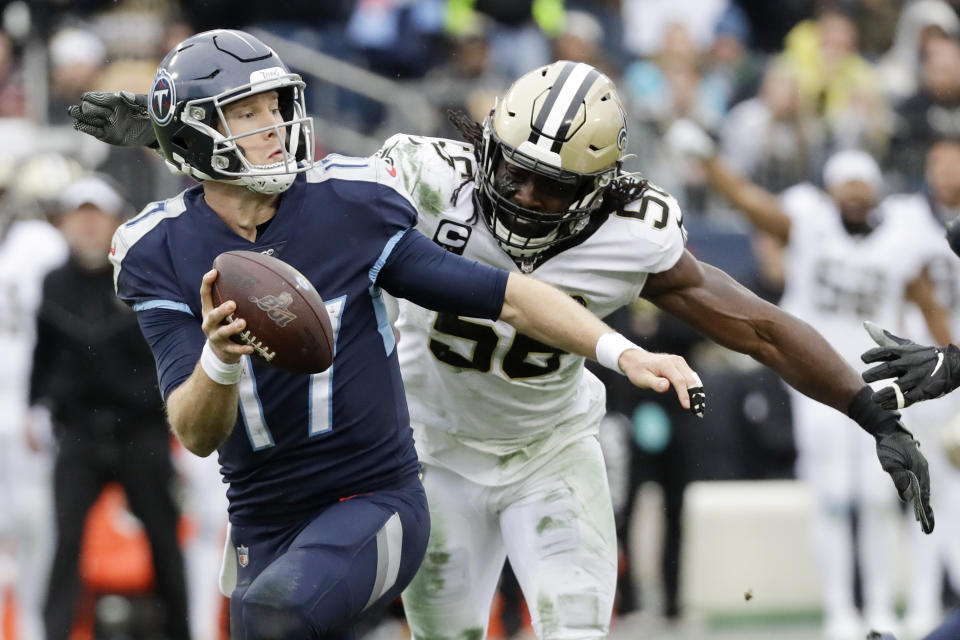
(287, 322)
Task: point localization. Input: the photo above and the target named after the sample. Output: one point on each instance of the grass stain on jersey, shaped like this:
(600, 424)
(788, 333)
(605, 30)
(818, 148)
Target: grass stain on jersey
(549, 620)
(503, 461)
(430, 200)
(546, 522)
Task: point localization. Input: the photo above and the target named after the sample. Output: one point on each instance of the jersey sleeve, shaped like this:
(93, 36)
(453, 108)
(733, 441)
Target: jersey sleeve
(657, 223)
(145, 279)
(432, 170)
(142, 273)
(431, 277)
(802, 204)
(176, 341)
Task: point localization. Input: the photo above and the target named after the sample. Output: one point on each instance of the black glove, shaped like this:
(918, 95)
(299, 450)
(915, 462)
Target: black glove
(953, 235)
(119, 118)
(898, 452)
(921, 373)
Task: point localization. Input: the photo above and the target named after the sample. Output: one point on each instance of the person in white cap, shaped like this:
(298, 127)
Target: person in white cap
(849, 257)
(95, 374)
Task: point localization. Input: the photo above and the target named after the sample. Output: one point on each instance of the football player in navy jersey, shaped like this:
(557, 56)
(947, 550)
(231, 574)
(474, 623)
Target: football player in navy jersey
(328, 515)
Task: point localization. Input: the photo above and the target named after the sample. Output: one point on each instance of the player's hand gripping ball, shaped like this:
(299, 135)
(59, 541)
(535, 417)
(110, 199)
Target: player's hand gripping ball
(287, 322)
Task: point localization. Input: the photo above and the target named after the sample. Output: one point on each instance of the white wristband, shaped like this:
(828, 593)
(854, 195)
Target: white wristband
(610, 347)
(218, 370)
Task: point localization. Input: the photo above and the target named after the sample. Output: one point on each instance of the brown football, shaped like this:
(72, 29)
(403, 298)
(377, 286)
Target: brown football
(287, 322)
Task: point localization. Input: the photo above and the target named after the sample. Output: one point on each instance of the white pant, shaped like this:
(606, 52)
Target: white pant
(26, 527)
(556, 526)
(838, 460)
(931, 553)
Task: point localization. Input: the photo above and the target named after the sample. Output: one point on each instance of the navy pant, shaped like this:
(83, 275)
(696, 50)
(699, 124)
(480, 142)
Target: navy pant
(315, 579)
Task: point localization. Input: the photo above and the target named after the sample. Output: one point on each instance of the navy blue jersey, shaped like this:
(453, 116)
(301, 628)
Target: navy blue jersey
(303, 441)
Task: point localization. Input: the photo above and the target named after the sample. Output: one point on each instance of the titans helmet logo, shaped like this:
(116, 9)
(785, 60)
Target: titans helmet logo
(162, 98)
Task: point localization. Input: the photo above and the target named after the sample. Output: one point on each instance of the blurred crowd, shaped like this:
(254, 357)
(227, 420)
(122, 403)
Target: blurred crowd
(778, 87)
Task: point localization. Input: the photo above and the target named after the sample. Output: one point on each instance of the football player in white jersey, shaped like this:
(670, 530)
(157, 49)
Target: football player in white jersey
(506, 427)
(848, 258)
(29, 248)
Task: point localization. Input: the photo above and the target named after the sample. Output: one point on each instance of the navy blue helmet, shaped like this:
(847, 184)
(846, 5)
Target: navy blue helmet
(196, 80)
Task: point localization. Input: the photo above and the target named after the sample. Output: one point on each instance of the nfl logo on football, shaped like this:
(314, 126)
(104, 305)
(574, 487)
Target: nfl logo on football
(243, 555)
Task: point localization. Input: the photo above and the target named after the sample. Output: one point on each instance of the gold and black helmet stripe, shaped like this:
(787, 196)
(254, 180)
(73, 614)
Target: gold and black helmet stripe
(552, 124)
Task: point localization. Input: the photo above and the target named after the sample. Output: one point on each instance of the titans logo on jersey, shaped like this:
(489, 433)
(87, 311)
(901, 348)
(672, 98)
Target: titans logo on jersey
(303, 440)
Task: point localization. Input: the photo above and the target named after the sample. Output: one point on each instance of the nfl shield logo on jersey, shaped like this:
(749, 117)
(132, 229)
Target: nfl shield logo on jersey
(243, 555)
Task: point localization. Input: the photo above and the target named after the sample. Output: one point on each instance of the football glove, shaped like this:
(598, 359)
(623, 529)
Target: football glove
(921, 372)
(686, 138)
(898, 452)
(953, 235)
(119, 118)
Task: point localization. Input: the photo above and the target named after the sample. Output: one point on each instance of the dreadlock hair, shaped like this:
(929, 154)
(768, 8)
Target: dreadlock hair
(472, 132)
(622, 191)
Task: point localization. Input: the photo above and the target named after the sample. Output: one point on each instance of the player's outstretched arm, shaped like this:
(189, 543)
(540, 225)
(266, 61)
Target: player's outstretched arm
(546, 314)
(920, 372)
(760, 206)
(119, 118)
(203, 410)
(715, 304)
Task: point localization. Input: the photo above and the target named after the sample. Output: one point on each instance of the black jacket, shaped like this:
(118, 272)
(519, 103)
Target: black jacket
(91, 365)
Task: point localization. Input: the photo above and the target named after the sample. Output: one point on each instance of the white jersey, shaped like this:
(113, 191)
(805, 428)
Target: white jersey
(943, 268)
(28, 250)
(836, 280)
(484, 399)
(942, 265)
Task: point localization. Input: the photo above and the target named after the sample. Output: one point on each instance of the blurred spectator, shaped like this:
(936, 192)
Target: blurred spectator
(465, 82)
(95, 374)
(582, 40)
(771, 138)
(519, 31)
(876, 22)
(38, 183)
(933, 112)
(210, 14)
(899, 69)
(399, 38)
(77, 57)
(771, 21)
(12, 99)
(731, 63)
(28, 250)
(658, 91)
(670, 85)
(647, 23)
(837, 83)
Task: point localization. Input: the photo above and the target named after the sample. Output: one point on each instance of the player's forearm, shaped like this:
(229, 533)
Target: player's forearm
(806, 361)
(546, 314)
(728, 313)
(759, 205)
(202, 413)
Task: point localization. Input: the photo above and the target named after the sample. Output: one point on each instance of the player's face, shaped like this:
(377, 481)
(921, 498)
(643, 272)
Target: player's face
(533, 191)
(88, 231)
(943, 172)
(250, 114)
(855, 199)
